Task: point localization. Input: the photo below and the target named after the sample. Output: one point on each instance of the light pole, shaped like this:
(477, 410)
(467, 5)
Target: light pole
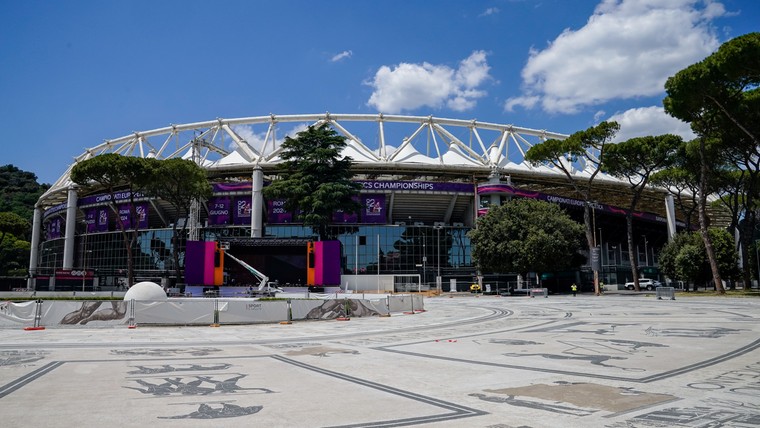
(55, 262)
(424, 258)
(84, 267)
(438, 256)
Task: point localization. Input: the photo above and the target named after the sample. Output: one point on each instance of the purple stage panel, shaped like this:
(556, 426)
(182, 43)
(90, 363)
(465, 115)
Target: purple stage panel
(199, 262)
(327, 262)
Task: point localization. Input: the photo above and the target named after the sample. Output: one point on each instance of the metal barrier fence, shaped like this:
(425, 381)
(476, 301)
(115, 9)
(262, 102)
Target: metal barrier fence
(533, 292)
(665, 292)
(189, 311)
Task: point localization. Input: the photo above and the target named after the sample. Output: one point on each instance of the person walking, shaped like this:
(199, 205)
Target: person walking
(574, 289)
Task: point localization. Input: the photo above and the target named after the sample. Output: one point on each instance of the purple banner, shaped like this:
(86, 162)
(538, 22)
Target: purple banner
(231, 187)
(55, 209)
(125, 213)
(90, 221)
(487, 189)
(418, 186)
(241, 211)
(218, 211)
(102, 222)
(276, 212)
(107, 197)
(373, 209)
(342, 217)
(54, 228)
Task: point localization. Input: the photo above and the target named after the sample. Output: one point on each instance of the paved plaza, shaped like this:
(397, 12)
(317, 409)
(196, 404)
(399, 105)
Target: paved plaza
(493, 362)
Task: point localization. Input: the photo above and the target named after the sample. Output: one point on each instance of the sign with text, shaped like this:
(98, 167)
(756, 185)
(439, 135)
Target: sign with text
(373, 210)
(241, 211)
(276, 212)
(141, 211)
(218, 211)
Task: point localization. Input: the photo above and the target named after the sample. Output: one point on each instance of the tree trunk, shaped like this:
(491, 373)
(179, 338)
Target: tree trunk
(590, 240)
(631, 253)
(703, 226)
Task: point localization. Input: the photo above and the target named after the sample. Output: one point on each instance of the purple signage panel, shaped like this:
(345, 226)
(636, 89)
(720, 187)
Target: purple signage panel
(231, 187)
(199, 262)
(241, 211)
(276, 212)
(54, 228)
(327, 263)
(343, 217)
(486, 189)
(101, 223)
(125, 213)
(373, 210)
(107, 197)
(90, 217)
(218, 211)
(418, 186)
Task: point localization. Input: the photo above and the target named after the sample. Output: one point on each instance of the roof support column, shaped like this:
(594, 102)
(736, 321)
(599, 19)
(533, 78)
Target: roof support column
(71, 228)
(34, 253)
(670, 213)
(257, 202)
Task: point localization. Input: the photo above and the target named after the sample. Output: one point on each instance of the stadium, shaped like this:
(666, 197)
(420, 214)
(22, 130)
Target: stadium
(425, 182)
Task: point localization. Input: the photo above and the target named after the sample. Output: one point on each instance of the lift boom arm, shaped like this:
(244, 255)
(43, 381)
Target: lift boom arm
(263, 279)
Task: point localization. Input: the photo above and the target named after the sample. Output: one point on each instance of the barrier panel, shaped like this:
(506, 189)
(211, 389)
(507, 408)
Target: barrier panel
(665, 292)
(533, 292)
(188, 311)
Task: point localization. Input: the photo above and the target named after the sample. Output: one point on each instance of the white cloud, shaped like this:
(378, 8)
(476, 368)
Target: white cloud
(256, 139)
(627, 49)
(640, 122)
(490, 11)
(411, 86)
(342, 55)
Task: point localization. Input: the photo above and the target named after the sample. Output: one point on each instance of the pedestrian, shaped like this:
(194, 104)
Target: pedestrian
(601, 287)
(574, 288)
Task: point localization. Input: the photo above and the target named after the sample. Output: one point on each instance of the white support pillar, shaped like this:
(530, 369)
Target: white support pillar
(71, 228)
(494, 178)
(35, 244)
(257, 202)
(670, 212)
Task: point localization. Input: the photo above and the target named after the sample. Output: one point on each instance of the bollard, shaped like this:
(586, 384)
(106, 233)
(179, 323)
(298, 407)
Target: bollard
(345, 309)
(37, 317)
(290, 315)
(216, 314)
(131, 321)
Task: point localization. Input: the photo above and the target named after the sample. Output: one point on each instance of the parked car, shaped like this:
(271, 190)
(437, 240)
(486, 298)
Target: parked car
(644, 283)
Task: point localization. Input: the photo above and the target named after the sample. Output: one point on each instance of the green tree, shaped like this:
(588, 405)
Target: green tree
(181, 183)
(314, 180)
(635, 160)
(681, 179)
(19, 191)
(12, 224)
(685, 258)
(115, 172)
(14, 249)
(720, 98)
(525, 236)
(584, 149)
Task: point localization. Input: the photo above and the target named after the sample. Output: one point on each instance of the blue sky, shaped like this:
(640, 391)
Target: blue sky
(74, 73)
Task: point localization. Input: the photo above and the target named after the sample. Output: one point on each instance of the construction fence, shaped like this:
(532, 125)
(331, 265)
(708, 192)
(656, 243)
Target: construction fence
(194, 311)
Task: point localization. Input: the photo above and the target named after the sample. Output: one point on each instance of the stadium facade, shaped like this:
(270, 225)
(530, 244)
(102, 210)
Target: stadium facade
(425, 182)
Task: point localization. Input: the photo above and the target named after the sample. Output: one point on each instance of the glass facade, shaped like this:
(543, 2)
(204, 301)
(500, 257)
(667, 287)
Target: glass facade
(366, 250)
